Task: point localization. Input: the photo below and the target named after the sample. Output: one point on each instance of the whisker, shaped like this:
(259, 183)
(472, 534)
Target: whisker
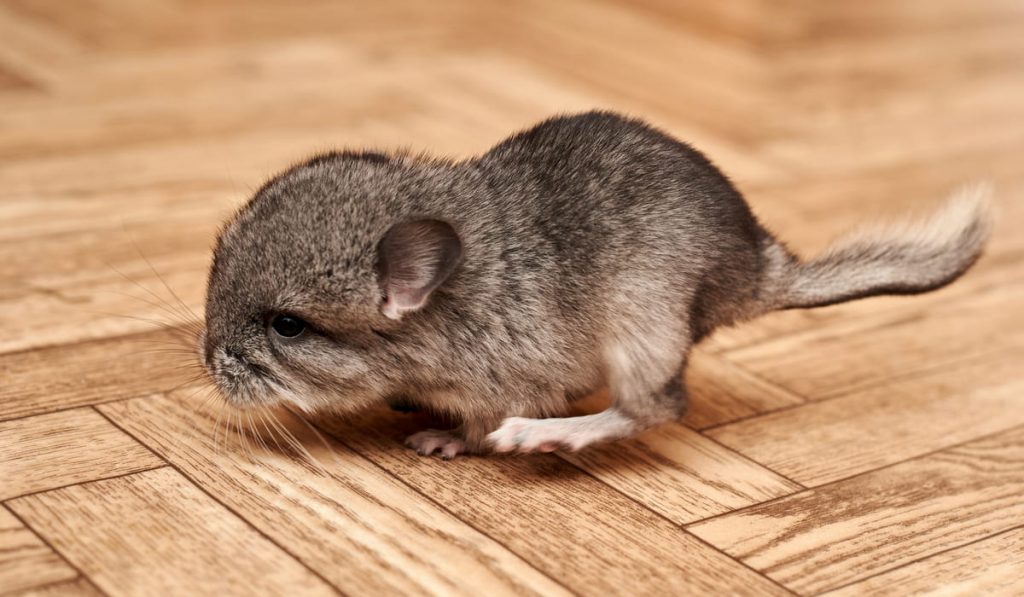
(298, 446)
(187, 309)
(181, 320)
(217, 430)
(273, 437)
(162, 303)
(316, 432)
(235, 428)
(187, 382)
(244, 436)
(154, 322)
(260, 440)
(199, 410)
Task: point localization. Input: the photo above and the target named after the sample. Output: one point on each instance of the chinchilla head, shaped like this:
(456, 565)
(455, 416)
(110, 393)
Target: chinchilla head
(311, 279)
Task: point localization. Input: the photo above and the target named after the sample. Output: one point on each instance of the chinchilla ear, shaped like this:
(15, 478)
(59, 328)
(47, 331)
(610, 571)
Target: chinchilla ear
(413, 259)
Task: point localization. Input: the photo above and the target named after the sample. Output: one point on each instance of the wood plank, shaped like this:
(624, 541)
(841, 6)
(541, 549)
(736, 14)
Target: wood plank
(74, 588)
(11, 80)
(25, 561)
(991, 566)
(64, 448)
(85, 279)
(825, 441)
(721, 391)
(155, 533)
(66, 376)
(681, 474)
(35, 49)
(350, 521)
(556, 517)
(825, 114)
(77, 588)
(840, 533)
(824, 363)
(677, 472)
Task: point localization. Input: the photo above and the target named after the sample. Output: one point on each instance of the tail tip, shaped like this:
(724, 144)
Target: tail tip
(967, 218)
(975, 199)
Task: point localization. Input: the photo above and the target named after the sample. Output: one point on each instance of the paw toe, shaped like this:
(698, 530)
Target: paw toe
(430, 441)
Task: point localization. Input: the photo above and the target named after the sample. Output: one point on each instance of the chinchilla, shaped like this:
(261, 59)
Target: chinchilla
(590, 250)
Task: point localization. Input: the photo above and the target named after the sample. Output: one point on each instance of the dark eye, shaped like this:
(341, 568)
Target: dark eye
(288, 326)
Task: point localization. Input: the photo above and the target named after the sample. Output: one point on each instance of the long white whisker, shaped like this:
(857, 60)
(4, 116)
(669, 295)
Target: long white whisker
(256, 433)
(298, 446)
(311, 427)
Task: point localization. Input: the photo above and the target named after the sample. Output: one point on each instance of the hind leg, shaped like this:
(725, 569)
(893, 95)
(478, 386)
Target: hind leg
(645, 379)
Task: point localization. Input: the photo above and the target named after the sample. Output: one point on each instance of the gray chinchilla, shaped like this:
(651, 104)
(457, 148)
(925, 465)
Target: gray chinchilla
(589, 250)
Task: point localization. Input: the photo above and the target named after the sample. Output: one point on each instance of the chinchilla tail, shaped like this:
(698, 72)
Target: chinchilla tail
(904, 258)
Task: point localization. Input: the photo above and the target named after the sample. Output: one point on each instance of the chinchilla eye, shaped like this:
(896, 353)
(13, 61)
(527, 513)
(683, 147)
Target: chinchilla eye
(288, 326)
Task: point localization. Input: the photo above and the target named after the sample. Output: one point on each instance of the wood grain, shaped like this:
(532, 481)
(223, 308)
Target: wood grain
(130, 131)
(556, 517)
(841, 437)
(10, 80)
(681, 474)
(720, 392)
(980, 325)
(991, 566)
(72, 446)
(839, 533)
(155, 533)
(351, 522)
(25, 561)
(71, 375)
(74, 588)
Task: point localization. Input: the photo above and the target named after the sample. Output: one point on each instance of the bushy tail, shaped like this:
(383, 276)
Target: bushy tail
(905, 258)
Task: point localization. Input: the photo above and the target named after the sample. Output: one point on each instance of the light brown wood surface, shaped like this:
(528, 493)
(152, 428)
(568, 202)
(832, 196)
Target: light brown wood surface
(990, 566)
(25, 561)
(155, 531)
(875, 447)
(72, 588)
(64, 448)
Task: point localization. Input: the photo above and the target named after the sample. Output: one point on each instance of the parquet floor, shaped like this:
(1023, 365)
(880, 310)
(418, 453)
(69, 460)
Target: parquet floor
(868, 448)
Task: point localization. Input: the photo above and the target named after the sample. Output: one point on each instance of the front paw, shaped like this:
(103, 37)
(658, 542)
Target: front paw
(445, 443)
(519, 434)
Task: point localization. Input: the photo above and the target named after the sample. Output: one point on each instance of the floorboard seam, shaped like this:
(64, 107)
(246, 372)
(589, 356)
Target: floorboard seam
(430, 499)
(682, 528)
(913, 374)
(995, 286)
(751, 460)
(53, 548)
(245, 520)
(47, 585)
(188, 385)
(113, 338)
(87, 482)
(925, 557)
(862, 473)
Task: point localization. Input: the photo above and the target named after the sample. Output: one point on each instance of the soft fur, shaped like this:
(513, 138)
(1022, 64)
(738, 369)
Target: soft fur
(589, 250)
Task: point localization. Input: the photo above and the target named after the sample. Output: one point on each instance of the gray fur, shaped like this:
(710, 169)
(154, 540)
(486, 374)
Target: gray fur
(591, 250)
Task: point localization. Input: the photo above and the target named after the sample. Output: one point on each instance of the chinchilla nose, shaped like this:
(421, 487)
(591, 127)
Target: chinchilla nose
(214, 351)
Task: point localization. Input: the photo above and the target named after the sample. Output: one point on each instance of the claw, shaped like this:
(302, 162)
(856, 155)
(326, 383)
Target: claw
(430, 441)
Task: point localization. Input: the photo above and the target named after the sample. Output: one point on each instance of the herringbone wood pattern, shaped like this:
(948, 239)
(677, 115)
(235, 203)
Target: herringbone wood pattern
(873, 447)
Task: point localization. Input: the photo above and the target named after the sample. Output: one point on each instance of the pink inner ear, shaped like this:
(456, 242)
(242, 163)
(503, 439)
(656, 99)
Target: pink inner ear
(414, 259)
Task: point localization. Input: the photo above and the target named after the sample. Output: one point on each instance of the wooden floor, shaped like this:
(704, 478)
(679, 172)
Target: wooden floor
(875, 447)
